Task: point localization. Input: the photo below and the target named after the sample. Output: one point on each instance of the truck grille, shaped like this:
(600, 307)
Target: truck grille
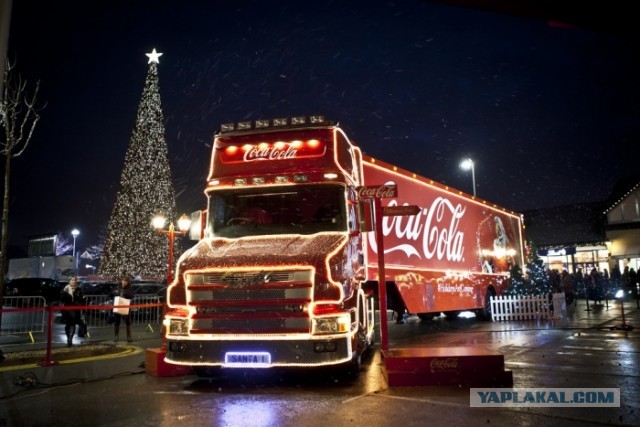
(248, 277)
(249, 302)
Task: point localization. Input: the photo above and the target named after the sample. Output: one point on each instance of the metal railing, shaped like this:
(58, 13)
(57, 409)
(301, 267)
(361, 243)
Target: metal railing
(28, 315)
(144, 310)
(23, 315)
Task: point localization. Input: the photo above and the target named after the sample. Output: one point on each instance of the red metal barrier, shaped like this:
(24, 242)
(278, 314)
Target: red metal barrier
(50, 316)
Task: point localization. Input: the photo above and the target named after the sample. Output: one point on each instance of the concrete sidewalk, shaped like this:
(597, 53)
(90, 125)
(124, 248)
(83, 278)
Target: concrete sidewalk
(20, 351)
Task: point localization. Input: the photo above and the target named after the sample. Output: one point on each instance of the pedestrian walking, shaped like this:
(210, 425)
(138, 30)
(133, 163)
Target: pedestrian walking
(72, 296)
(124, 291)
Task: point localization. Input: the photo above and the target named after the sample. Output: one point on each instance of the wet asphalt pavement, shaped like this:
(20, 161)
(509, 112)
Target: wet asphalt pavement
(584, 351)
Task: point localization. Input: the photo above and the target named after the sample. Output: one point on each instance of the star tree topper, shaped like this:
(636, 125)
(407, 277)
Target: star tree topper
(153, 56)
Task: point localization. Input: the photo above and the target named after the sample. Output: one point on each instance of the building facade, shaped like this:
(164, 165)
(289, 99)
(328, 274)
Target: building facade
(570, 237)
(623, 228)
(597, 235)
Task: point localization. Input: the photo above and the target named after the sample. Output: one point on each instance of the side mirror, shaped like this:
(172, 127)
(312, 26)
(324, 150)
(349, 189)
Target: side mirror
(198, 222)
(365, 212)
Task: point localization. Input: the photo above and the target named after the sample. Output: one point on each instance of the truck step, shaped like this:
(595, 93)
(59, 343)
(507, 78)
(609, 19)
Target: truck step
(445, 366)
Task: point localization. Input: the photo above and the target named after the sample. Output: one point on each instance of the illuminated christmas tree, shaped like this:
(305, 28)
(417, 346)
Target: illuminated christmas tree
(132, 246)
(535, 282)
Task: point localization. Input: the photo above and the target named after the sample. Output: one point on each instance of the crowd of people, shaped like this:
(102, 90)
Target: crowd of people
(596, 286)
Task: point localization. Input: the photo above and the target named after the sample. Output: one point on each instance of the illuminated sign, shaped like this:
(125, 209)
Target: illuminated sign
(557, 251)
(377, 191)
(247, 359)
(272, 151)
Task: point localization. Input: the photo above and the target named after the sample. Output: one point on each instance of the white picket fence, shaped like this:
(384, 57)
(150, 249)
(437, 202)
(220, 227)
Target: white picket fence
(527, 307)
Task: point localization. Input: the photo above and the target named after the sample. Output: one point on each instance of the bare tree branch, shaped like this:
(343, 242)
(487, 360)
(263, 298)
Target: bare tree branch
(18, 117)
(18, 113)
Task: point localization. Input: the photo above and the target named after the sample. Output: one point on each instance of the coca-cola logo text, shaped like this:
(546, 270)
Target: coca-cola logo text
(443, 364)
(281, 152)
(379, 192)
(434, 233)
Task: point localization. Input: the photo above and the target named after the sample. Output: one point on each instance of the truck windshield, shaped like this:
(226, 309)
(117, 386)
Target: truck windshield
(277, 210)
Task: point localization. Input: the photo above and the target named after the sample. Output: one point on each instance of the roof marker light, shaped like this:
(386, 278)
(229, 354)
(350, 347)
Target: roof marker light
(280, 122)
(316, 119)
(257, 180)
(281, 179)
(300, 120)
(261, 124)
(227, 127)
(300, 178)
(244, 125)
(240, 181)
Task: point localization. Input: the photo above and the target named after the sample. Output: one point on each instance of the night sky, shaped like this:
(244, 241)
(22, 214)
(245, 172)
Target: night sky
(549, 114)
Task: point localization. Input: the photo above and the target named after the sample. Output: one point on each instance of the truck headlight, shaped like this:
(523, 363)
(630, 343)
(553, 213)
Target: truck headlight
(178, 326)
(331, 324)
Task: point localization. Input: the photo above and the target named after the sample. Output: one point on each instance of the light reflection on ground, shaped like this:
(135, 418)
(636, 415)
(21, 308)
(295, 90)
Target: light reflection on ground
(247, 412)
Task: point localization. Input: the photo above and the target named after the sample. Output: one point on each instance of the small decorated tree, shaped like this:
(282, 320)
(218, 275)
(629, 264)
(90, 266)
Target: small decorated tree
(535, 281)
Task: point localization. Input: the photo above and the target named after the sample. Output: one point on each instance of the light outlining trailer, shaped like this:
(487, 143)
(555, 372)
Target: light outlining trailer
(284, 274)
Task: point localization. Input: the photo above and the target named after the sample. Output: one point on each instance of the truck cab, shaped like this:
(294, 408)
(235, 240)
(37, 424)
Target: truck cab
(276, 278)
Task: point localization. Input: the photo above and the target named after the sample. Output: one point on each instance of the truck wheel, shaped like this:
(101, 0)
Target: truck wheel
(485, 312)
(452, 315)
(207, 371)
(425, 317)
(351, 369)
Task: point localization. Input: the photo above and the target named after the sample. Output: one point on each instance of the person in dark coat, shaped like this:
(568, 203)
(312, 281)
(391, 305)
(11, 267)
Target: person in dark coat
(569, 289)
(125, 291)
(633, 282)
(71, 296)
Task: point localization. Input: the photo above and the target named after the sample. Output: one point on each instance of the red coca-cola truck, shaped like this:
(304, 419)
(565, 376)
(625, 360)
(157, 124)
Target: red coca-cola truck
(286, 270)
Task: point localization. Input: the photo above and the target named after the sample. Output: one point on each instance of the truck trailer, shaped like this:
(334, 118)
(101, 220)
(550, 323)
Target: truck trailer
(285, 273)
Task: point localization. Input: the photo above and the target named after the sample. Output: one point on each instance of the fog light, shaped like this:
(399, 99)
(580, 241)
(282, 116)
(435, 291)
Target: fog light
(177, 346)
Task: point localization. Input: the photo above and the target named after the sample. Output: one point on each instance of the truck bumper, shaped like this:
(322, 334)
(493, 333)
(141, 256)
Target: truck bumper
(260, 354)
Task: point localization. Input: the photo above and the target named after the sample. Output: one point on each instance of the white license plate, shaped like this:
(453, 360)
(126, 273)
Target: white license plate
(244, 359)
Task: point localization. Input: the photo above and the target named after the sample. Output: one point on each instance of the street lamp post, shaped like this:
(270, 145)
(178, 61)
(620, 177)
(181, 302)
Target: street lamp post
(466, 165)
(75, 233)
(183, 226)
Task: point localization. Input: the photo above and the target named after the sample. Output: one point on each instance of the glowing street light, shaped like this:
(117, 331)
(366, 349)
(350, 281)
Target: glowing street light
(624, 326)
(466, 165)
(159, 223)
(75, 233)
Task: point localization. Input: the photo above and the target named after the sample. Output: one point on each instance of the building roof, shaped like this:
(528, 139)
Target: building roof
(621, 190)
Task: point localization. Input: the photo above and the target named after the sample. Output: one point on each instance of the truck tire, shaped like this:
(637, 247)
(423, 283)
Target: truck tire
(207, 371)
(425, 317)
(485, 312)
(351, 369)
(452, 315)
